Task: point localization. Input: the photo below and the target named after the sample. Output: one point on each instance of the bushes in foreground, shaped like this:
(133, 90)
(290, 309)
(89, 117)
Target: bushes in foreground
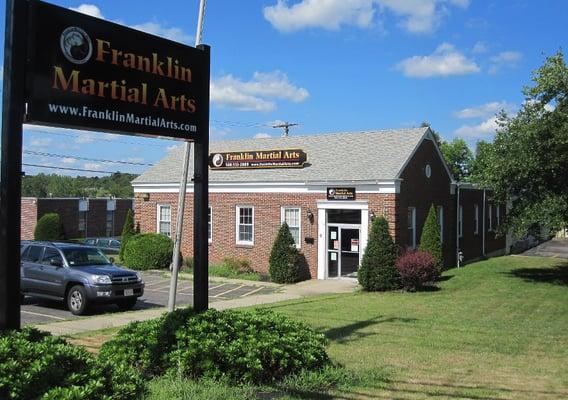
(243, 346)
(36, 365)
(148, 251)
(417, 269)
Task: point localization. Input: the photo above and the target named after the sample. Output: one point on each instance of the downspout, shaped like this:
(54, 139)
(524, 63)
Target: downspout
(483, 228)
(458, 224)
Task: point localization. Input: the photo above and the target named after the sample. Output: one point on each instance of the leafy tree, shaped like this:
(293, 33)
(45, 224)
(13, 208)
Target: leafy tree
(430, 241)
(528, 161)
(127, 231)
(49, 227)
(378, 271)
(284, 261)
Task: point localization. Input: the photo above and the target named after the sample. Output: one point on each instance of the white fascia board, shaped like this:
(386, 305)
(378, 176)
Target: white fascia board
(376, 187)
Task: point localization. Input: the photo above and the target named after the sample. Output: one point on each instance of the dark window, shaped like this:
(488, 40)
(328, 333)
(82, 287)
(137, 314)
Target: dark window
(344, 216)
(33, 254)
(51, 254)
(104, 243)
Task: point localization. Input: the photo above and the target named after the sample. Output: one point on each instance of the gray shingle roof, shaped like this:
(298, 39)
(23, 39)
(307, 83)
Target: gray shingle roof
(349, 156)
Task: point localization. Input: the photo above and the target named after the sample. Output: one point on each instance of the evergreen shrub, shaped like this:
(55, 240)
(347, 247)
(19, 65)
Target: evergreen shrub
(49, 227)
(148, 251)
(284, 265)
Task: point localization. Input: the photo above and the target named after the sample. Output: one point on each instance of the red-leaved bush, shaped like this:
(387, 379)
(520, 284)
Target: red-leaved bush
(416, 269)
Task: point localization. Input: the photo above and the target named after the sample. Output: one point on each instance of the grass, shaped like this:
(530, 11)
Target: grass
(496, 329)
(225, 270)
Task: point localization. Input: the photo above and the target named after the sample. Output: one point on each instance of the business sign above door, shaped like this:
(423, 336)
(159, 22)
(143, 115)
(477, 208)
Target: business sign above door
(294, 158)
(341, 193)
(87, 73)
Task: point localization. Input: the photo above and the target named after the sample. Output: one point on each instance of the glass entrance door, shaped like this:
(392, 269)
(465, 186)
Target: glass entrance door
(342, 251)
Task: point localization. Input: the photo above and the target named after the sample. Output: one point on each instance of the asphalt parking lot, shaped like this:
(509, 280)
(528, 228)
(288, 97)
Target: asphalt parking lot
(38, 311)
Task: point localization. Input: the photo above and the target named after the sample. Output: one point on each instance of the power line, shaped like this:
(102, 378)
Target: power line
(286, 126)
(40, 153)
(72, 169)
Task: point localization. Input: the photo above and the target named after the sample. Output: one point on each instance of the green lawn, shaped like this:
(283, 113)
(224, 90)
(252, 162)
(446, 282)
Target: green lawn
(495, 329)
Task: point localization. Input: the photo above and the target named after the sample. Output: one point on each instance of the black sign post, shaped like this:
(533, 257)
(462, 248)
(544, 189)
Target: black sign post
(71, 70)
(11, 163)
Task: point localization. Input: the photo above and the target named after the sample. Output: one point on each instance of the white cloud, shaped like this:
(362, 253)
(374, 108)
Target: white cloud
(155, 28)
(262, 135)
(68, 160)
(505, 59)
(257, 94)
(94, 166)
(479, 48)
(89, 9)
(485, 110)
(135, 159)
(172, 33)
(416, 16)
(445, 61)
(84, 138)
(40, 142)
(173, 147)
(482, 130)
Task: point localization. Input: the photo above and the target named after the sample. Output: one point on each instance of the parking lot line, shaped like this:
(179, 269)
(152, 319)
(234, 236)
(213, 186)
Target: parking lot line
(218, 286)
(43, 315)
(252, 292)
(228, 291)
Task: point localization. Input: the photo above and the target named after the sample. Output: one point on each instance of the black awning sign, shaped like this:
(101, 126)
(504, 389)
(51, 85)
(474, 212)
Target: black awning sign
(88, 73)
(289, 158)
(341, 193)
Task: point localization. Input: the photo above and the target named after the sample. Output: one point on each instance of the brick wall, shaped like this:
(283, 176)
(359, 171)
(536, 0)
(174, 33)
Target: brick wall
(28, 218)
(267, 217)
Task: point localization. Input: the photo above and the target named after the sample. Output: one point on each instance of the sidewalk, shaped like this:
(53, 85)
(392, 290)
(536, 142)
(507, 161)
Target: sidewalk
(288, 292)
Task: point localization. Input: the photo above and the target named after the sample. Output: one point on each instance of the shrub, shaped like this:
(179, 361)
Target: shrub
(430, 241)
(49, 227)
(188, 262)
(417, 269)
(252, 346)
(127, 232)
(378, 271)
(283, 262)
(239, 265)
(37, 365)
(148, 251)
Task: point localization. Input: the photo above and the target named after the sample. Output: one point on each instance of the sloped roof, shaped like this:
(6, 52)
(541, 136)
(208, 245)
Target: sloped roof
(347, 156)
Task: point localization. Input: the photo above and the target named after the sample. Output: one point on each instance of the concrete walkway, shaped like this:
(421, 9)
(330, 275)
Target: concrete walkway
(553, 248)
(288, 292)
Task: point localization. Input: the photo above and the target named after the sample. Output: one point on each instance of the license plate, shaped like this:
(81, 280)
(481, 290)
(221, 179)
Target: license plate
(128, 292)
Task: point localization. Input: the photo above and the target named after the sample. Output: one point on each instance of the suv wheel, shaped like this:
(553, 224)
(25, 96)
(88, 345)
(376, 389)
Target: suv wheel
(126, 304)
(77, 300)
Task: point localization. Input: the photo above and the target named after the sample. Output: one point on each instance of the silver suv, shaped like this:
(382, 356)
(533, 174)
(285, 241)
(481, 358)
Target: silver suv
(80, 275)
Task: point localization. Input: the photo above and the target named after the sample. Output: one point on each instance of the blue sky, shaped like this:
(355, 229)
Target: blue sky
(332, 66)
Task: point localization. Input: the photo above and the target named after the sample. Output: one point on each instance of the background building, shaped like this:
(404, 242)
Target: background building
(328, 199)
(80, 217)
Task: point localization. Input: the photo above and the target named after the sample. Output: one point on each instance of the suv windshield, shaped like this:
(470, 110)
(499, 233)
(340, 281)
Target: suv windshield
(77, 257)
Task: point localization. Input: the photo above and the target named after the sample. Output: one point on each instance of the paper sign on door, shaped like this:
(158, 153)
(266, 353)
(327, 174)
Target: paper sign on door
(336, 245)
(333, 256)
(333, 235)
(354, 244)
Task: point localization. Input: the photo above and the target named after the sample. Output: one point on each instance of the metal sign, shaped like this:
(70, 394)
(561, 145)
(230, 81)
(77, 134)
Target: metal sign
(341, 193)
(291, 158)
(88, 73)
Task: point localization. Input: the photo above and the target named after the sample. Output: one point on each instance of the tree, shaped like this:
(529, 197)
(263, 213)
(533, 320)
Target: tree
(430, 241)
(127, 232)
(527, 162)
(378, 271)
(283, 262)
(49, 227)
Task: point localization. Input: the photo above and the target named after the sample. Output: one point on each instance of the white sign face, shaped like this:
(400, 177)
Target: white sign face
(333, 235)
(83, 205)
(333, 256)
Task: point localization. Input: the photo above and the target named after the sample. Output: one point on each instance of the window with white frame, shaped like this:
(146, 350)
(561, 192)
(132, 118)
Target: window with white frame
(497, 212)
(411, 222)
(210, 225)
(490, 213)
(460, 222)
(245, 225)
(441, 222)
(476, 219)
(291, 215)
(165, 219)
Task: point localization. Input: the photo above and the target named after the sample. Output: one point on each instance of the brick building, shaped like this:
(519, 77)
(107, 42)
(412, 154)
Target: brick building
(81, 217)
(395, 173)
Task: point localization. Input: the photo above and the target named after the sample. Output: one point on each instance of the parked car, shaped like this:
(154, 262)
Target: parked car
(107, 245)
(77, 274)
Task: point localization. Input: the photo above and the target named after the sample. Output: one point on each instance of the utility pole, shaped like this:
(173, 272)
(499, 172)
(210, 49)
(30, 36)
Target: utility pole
(286, 126)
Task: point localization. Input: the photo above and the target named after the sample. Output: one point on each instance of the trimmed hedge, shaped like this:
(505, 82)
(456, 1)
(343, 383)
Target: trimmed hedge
(430, 241)
(49, 227)
(243, 346)
(417, 269)
(148, 251)
(284, 265)
(377, 271)
(36, 365)
(127, 232)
